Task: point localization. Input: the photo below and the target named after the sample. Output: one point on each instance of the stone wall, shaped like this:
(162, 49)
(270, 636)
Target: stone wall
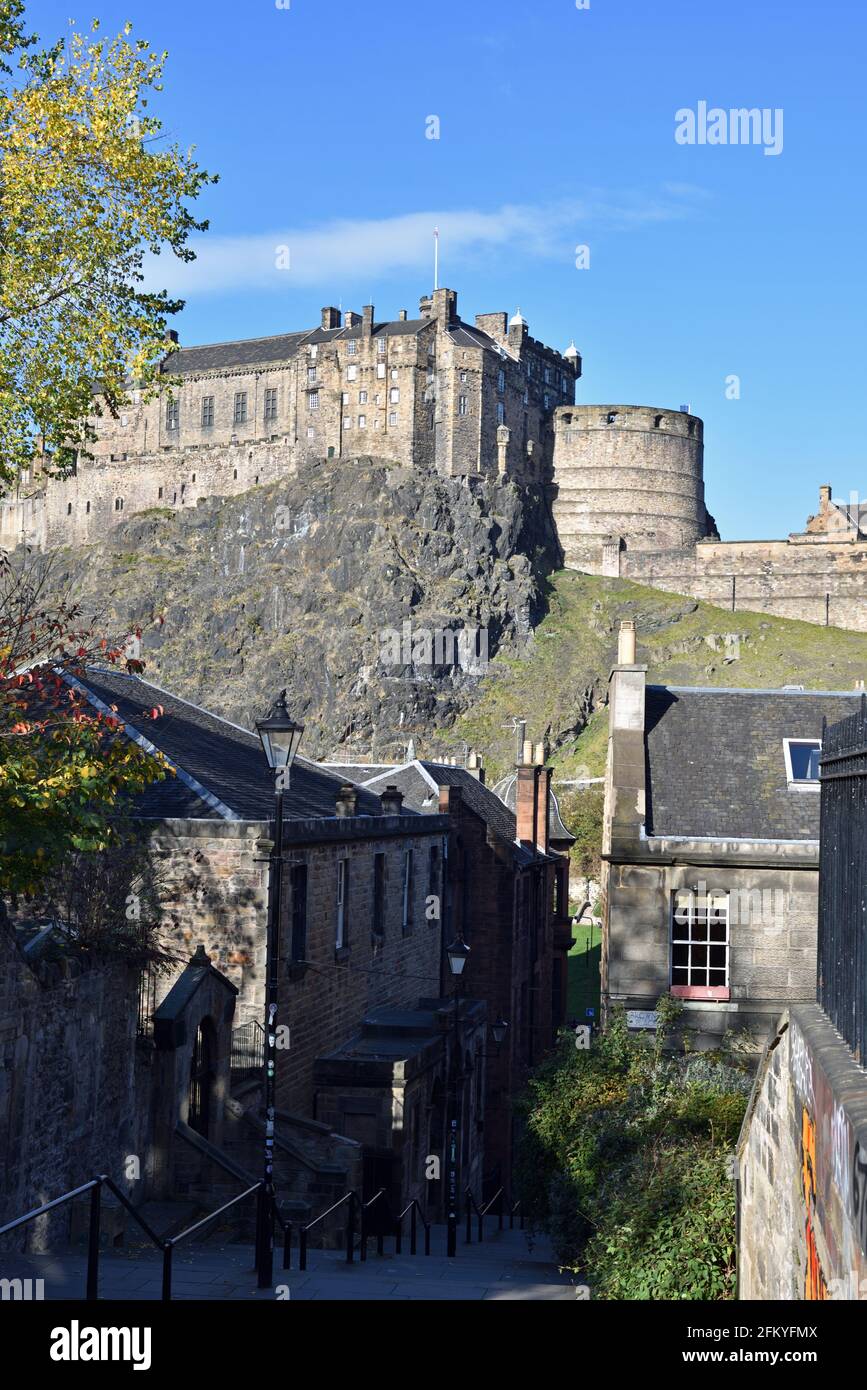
(802, 1164)
(74, 1087)
(816, 579)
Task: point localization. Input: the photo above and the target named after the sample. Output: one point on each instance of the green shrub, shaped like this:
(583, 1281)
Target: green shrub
(624, 1160)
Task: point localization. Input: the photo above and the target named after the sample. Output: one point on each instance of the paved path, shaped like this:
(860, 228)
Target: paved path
(509, 1265)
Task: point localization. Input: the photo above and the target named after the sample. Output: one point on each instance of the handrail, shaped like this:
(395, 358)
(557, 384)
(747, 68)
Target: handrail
(353, 1200)
(481, 1212)
(166, 1247)
(380, 1235)
(415, 1208)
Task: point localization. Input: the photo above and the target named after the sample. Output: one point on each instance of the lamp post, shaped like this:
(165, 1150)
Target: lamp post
(280, 737)
(458, 954)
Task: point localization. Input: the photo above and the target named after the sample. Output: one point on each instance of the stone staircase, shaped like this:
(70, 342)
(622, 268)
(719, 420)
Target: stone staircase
(508, 1265)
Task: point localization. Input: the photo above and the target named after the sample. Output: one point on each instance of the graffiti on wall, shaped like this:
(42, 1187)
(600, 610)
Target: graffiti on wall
(815, 1286)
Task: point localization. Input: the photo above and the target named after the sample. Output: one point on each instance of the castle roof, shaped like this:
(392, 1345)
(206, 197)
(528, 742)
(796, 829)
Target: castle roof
(250, 352)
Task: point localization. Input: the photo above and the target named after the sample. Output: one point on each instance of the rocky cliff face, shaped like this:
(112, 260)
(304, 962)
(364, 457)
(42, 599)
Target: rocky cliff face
(346, 583)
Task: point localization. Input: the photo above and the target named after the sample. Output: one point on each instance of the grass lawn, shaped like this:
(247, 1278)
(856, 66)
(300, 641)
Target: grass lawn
(583, 983)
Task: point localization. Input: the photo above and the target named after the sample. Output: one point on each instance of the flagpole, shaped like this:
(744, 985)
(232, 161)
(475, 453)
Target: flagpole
(436, 258)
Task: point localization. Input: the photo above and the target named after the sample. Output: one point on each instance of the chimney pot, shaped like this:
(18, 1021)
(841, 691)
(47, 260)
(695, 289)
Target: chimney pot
(626, 643)
(527, 753)
(391, 801)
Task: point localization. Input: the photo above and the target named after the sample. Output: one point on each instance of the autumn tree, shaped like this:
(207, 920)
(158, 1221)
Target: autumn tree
(88, 187)
(67, 772)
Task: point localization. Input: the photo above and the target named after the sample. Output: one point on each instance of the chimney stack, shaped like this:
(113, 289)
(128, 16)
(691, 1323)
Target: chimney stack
(347, 800)
(526, 805)
(626, 643)
(350, 318)
(330, 317)
(543, 786)
(824, 498)
(402, 316)
(367, 320)
(391, 801)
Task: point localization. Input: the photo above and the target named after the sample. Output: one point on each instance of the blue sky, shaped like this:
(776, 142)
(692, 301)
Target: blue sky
(557, 129)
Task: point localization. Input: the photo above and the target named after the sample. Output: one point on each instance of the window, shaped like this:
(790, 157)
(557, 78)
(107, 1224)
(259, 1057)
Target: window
(298, 880)
(380, 347)
(311, 373)
(406, 915)
(69, 509)
(700, 945)
(546, 401)
(394, 395)
(501, 381)
(362, 422)
(501, 413)
(462, 377)
(462, 405)
(392, 418)
(802, 761)
(378, 920)
(433, 872)
(311, 433)
(351, 373)
(313, 400)
(341, 932)
(207, 410)
(87, 505)
(271, 403)
(352, 348)
(344, 398)
(394, 373)
(362, 398)
(547, 376)
(173, 414)
(380, 369)
(239, 414)
(347, 422)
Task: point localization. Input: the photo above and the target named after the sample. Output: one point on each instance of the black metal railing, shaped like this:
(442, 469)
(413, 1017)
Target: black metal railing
(353, 1202)
(248, 1051)
(166, 1247)
(504, 1207)
(842, 954)
(415, 1215)
(147, 995)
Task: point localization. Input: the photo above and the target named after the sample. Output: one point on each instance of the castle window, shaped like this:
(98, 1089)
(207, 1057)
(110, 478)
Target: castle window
(392, 419)
(526, 397)
(546, 401)
(380, 346)
(362, 398)
(159, 493)
(69, 509)
(87, 508)
(394, 373)
(462, 405)
(193, 479)
(351, 373)
(380, 369)
(271, 400)
(347, 422)
(352, 347)
(314, 349)
(406, 907)
(611, 417)
(362, 422)
(394, 395)
(173, 410)
(341, 933)
(463, 376)
(239, 415)
(657, 421)
(207, 411)
(690, 429)
(565, 387)
(547, 376)
(311, 433)
(234, 475)
(313, 400)
(311, 373)
(501, 380)
(501, 413)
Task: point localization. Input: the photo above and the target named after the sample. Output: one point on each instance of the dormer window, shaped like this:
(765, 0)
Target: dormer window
(802, 761)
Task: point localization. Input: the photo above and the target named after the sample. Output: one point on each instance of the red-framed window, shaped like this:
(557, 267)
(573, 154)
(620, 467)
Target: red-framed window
(700, 941)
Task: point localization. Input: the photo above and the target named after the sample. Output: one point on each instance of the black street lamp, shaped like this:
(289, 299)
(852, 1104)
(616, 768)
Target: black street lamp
(458, 954)
(499, 1030)
(280, 737)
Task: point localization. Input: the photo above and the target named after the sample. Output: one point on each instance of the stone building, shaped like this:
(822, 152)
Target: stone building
(506, 894)
(432, 391)
(711, 849)
(802, 1151)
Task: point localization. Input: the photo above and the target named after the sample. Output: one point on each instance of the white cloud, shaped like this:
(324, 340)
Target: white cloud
(364, 250)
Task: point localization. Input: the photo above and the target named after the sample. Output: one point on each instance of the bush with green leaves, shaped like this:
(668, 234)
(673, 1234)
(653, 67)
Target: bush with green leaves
(625, 1161)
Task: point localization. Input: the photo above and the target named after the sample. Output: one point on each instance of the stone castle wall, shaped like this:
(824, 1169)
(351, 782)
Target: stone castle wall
(627, 477)
(431, 392)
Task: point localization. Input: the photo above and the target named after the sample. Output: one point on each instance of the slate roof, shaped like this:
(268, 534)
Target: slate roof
(716, 764)
(280, 347)
(420, 780)
(222, 772)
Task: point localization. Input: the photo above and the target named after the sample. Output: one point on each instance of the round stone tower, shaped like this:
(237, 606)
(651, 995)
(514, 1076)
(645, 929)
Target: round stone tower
(627, 478)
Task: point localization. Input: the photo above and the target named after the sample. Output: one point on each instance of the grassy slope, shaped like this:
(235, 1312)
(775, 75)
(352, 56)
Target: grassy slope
(559, 684)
